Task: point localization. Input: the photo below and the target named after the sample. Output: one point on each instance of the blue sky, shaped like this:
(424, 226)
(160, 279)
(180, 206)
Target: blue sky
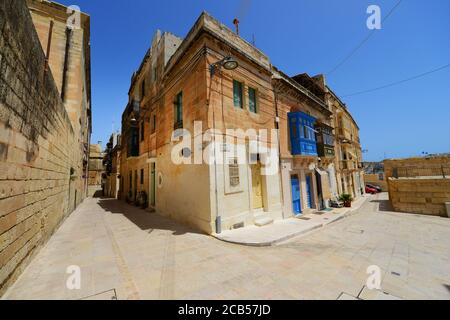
(300, 36)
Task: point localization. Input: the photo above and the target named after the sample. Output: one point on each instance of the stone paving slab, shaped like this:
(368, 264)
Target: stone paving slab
(283, 230)
(142, 255)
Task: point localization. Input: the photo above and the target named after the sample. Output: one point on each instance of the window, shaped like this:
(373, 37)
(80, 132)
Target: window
(142, 130)
(178, 111)
(233, 168)
(154, 74)
(143, 88)
(294, 128)
(237, 94)
(142, 176)
(133, 142)
(153, 124)
(252, 100)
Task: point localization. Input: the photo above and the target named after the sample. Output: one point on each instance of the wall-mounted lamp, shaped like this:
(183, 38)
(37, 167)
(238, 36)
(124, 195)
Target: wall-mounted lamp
(228, 63)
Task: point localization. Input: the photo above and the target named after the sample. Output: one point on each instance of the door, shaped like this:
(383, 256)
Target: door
(153, 185)
(309, 193)
(296, 203)
(321, 205)
(257, 193)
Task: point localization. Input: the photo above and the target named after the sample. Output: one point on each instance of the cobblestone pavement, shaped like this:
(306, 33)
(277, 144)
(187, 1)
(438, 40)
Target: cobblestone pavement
(131, 254)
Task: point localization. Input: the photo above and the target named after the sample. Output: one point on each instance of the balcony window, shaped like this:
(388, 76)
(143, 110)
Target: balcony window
(133, 142)
(305, 144)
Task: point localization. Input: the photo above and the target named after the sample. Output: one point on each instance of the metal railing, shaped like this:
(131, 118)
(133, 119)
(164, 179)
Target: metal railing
(415, 172)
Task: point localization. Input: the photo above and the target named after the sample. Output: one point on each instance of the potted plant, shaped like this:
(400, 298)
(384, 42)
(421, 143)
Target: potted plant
(347, 199)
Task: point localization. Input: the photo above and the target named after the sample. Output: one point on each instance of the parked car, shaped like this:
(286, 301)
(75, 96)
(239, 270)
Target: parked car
(374, 187)
(371, 190)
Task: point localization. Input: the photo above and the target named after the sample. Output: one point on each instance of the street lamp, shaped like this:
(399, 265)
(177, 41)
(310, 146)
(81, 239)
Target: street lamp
(228, 63)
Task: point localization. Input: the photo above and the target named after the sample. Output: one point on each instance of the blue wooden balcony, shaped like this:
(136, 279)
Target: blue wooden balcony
(302, 134)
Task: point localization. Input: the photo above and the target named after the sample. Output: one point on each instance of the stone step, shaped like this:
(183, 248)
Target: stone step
(263, 221)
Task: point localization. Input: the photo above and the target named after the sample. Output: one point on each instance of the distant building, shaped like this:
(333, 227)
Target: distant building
(96, 170)
(111, 162)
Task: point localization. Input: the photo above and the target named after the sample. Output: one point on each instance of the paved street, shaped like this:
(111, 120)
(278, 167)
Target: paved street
(126, 252)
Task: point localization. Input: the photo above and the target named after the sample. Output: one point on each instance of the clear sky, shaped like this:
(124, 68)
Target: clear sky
(301, 36)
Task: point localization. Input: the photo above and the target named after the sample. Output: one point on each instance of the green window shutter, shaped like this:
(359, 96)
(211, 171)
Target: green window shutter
(180, 106)
(178, 112)
(237, 94)
(252, 100)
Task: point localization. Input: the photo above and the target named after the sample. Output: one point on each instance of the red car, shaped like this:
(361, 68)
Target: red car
(371, 190)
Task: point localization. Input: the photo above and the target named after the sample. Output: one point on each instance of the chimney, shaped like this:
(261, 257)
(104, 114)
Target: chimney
(236, 23)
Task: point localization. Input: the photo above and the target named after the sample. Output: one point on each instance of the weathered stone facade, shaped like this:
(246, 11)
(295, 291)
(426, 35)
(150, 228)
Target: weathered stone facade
(348, 161)
(96, 170)
(41, 173)
(112, 167)
(202, 195)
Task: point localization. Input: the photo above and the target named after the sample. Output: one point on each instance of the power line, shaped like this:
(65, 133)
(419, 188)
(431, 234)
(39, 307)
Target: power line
(398, 82)
(363, 41)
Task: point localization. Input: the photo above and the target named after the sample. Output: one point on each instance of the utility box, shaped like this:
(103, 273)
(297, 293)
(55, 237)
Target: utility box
(447, 206)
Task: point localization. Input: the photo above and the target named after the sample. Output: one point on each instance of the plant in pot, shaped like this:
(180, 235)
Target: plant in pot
(347, 199)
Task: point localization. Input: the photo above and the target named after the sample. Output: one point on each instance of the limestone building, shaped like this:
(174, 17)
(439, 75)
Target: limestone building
(349, 164)
(66, 47)
(44, 126)
(213, 80)
(96, 173)
(111, 163)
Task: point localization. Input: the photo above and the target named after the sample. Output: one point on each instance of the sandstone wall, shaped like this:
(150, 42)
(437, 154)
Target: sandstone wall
(419, 185)
(37, 172)
(422, 196)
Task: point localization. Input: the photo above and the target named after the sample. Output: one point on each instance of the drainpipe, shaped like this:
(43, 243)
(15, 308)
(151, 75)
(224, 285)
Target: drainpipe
(49, 44)
(218, 221)
(277, 126)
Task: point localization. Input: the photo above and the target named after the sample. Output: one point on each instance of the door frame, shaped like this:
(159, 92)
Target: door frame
(257, 166)
(297, 177)
(309, 187)
(152, 184)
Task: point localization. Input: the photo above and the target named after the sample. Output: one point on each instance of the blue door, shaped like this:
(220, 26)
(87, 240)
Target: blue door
(309, 191)
(296, 195)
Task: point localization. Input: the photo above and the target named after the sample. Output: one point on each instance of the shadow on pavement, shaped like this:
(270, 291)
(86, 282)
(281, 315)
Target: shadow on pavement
(143, 219)
(383, 205)
(447, 287)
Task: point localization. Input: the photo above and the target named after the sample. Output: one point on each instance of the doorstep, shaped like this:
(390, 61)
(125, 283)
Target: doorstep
(282, 230)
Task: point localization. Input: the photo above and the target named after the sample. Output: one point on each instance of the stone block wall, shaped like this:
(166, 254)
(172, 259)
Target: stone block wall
(421, 196)
(37, 171)
(426, 187)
